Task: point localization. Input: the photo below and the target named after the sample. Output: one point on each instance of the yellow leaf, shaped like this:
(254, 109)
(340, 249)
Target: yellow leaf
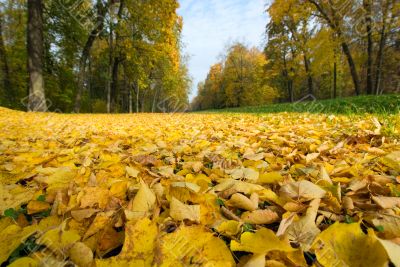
(180, 211)
(229, 228)
(132, 172)
(240, 201)
(302, 190)
(194, 246)
(14, 197)
(58, 240)
(94, 197)
(392, 160)
(260, 242)
(81, 254)
(347, 245)
(99, 223)
(139, 246)
(270, 178)
(24, 262)
(260, 216)
(119, 189)
(35, 206)
(144, 199)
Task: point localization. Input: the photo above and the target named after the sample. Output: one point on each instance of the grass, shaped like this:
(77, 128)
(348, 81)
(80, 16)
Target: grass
(380, 105)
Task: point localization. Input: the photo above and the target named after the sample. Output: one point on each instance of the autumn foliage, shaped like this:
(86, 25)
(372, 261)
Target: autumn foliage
(197, 190)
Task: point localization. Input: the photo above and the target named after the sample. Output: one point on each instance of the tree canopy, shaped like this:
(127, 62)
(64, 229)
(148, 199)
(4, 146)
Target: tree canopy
(98, 56)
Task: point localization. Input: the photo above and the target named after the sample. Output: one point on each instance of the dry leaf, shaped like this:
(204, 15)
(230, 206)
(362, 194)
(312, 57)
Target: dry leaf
(302, 190)
(180, 211)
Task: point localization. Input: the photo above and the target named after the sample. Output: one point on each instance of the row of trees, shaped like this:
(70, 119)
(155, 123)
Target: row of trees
(92, 56)
(239, 80)
(329, 49)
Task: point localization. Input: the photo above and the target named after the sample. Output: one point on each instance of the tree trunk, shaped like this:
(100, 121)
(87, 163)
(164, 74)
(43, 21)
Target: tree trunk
(153, 108)
(368, 22)
(334, 79)
(114, 84)
(137, 97)
(352, 66)
(8, 89)
(288, 81)
(110, 64)
(130, 101)
(334, 25)
(117, 61)
(101, 12)
(37, 98)
(310, 82)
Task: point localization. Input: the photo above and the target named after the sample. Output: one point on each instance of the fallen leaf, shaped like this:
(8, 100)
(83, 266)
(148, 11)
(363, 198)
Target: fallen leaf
(194, 246)
(180, 211)
(302, 191)
(242, 202)
(35, 206)
(260, 242)
(387, 202)
(81, 254)
(346, 245)
(260, 217)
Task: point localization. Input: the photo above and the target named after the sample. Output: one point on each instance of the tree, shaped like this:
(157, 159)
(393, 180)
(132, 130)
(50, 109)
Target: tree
(37, 99)
(99, 25)
(327, 11)
(8, 89)
(239, 80)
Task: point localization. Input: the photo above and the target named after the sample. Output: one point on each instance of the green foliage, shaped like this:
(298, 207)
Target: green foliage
(11, 213)
(248, 227)
(99, 106)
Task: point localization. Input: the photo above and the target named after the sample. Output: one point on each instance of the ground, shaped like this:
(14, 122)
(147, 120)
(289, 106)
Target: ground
(284, 189)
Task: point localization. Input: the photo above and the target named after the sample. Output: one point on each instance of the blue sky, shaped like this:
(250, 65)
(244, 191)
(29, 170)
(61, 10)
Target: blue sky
(210, 25)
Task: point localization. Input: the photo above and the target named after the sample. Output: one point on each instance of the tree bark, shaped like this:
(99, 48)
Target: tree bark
(352, 66)
(37, 98)
(288, 80)
(368, 22)
(114, 84)
(101, 13)
(117, 60)
(8, 89)
(310, 82)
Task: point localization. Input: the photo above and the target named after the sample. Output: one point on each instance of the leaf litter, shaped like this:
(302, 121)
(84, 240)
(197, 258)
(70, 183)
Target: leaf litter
(198, 190)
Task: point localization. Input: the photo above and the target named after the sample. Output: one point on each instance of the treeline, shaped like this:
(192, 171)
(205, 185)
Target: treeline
(239, 80)
(319, 49)
(92, 56)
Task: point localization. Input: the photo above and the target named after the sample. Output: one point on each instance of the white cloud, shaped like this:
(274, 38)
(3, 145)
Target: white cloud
(211, 24)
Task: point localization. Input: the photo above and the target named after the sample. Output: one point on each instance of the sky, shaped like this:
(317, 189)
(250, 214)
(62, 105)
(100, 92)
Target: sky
(210, 25)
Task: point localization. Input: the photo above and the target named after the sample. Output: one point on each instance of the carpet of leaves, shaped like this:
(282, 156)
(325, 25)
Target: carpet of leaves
(198, 190)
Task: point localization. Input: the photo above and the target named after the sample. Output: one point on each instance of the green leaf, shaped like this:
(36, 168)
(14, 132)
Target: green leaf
(220, 202)
(11, 213)
(348, 219)
(380, 228)
(41, 198)
(248, 227)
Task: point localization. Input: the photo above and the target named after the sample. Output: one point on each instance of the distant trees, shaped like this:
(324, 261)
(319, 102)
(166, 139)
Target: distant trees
(97, 56)
(315, 49)
(239, 80)
(345, 47)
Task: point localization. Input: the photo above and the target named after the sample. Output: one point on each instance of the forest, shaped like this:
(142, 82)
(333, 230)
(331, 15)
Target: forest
(314, 49)
(92, 56)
